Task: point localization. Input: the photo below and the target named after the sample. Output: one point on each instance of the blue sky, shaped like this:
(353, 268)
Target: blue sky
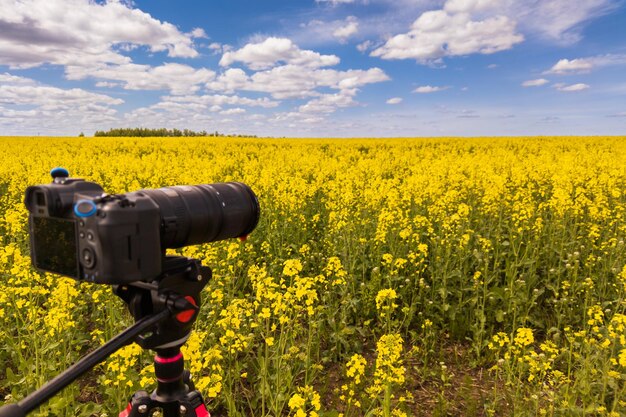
(341, 68)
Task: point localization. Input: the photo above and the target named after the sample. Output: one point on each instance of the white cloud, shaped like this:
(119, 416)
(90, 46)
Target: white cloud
(329, 31)
(572, 87)
(350, 28)
(328, 103)
(271, 51)
(535, 83)
(178, 78)
(284, 71)
(364, 46)
(208, 101)
(558, 20)
(23, 100)
(469, 6)
(226, 113)
(24, 91)
(7, 78)
(335, 2)
(585, 65)
(231, 80)
(82, 33)
(575, 66)
(107, 84)
(198, 33)
(237, 110)
(425, 89)
(462, 27)
(296, 120)
(219, 48)
(394, 100)
(293, 81)
(440, 33)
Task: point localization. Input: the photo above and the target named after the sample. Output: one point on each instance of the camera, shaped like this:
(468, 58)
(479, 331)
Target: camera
(78, 230)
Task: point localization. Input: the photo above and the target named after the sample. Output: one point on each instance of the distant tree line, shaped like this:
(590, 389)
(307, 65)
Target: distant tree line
(145, 132)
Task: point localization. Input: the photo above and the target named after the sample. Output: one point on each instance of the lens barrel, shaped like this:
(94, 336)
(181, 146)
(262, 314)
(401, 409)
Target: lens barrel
(195, 214)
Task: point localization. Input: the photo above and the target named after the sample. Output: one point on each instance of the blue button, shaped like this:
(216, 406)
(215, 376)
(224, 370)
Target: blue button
(85, 208)
(59, 172)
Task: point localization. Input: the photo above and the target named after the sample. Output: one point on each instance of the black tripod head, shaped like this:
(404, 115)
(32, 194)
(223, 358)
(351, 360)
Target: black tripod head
(164, 312)
(178, 290)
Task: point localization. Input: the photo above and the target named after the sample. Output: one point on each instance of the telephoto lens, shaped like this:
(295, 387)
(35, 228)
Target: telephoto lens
(195, 214)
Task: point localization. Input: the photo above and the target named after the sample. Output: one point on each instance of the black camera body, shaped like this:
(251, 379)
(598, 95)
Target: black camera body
(79, 231)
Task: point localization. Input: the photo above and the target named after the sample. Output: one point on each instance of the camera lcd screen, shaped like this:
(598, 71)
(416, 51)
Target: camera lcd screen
(54, 245)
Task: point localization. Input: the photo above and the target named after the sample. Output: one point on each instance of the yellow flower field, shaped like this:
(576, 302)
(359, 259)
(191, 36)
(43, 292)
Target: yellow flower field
(387, 277)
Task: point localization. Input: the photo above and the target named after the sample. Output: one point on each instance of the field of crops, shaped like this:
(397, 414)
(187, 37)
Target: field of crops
(471, 277)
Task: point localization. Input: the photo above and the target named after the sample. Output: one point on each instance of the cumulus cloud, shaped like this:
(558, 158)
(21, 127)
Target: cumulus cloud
(327, 31)
(335, 2)
(585, 65)
(451, 32)
(468, 6)
(237, 110)
(463, 27)
(574, 66)
(210, 100)
(572, 87)
(293, 81)
(23, 99)
(230, 80)
(394, 100)
(350, 28)
(225, 113)
(7, 78)
(178, 78)
(83, 33)
(328, 103)
(425, 89)
(284, 71)
(107, 84)
(296, 120)
(561, 21)
(278, 67)
(271, 51)
(535, 83)
(17, 90)
(217, 48)
(364, 46)
(198, 33)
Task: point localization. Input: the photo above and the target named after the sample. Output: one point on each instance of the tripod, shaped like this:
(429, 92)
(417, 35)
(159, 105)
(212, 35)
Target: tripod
(164, 312)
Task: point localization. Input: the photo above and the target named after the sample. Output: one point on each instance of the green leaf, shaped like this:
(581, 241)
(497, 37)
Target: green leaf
(499, 316)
